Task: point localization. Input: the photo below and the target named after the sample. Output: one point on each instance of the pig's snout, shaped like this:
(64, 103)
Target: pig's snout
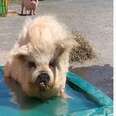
(43, 79)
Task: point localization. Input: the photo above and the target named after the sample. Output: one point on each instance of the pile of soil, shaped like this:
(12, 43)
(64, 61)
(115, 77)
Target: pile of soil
(82, 52)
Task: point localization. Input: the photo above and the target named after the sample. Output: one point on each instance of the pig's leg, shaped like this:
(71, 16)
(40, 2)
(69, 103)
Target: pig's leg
(30, 12)
(22, 9)
(34, 12)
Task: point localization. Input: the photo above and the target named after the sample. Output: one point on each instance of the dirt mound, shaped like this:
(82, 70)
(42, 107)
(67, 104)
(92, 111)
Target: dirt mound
(83, 52)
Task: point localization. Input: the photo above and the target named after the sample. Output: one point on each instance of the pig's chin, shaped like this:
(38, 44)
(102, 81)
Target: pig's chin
(44, 87)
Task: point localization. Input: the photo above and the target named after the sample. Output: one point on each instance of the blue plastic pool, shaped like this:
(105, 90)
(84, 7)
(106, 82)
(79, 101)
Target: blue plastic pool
(85, 100)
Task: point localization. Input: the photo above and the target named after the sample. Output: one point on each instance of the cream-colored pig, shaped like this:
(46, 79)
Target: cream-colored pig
(40, 58)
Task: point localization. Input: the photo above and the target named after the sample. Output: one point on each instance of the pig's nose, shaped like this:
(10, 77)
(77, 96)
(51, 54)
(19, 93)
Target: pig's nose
(43, 78)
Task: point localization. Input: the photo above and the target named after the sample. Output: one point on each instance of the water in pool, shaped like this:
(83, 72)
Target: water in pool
(56, 106)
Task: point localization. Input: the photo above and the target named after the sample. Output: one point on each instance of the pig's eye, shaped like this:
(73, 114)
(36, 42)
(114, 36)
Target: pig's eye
(31, 64)
(52, 64)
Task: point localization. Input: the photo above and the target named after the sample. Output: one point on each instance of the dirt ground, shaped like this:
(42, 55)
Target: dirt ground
(92, 18)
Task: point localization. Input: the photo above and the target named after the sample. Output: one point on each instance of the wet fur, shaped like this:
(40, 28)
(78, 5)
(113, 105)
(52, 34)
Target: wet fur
(42, 40)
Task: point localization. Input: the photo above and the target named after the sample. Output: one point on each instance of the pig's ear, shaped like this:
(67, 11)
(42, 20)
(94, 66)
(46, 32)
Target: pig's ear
(64, 46)
(20, 51)
(21, 46)
(23, 33)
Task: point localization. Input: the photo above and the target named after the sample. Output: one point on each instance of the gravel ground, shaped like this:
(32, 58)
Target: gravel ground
(92, 18)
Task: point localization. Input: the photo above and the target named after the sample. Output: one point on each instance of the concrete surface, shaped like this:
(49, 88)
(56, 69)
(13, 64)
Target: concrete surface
(92, 18)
